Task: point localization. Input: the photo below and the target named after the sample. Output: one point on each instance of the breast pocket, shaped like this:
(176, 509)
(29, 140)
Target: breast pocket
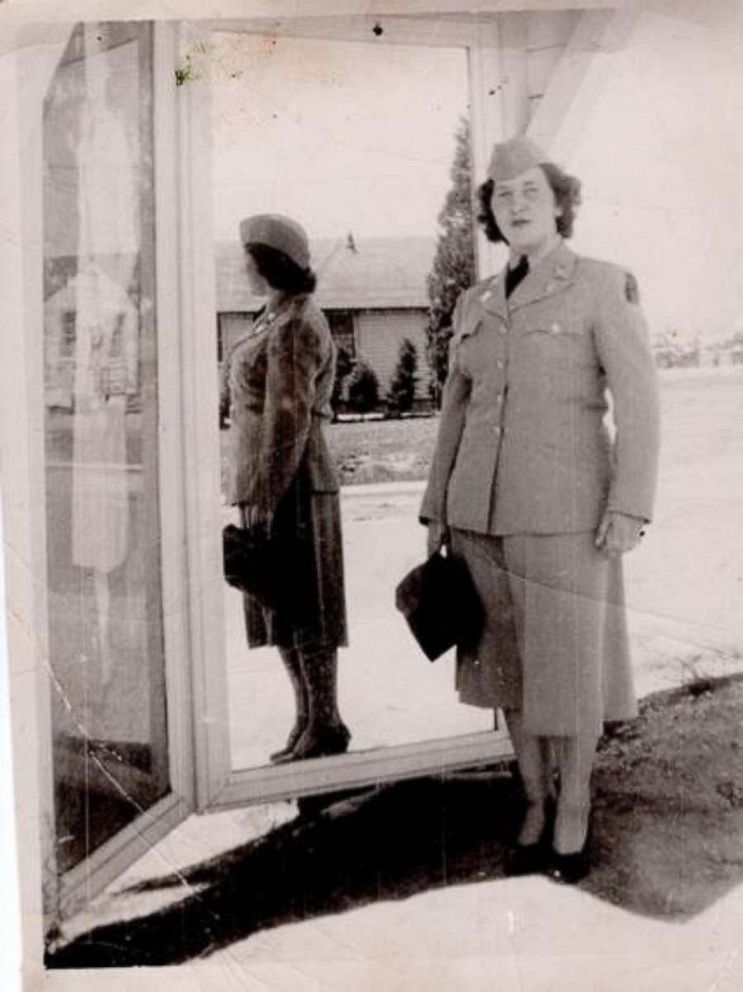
(559, 344)
(556, 329)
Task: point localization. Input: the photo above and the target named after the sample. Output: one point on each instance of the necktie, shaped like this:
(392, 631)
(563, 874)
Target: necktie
(516, 274)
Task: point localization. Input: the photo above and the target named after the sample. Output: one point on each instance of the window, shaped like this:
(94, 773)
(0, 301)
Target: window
(342, 327)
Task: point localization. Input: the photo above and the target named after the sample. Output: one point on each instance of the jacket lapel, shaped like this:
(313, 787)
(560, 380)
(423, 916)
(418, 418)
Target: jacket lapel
(551, 275)
(493, 296)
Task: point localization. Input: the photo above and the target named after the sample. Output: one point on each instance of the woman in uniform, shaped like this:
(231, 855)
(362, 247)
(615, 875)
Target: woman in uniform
(540, 498)
(279, 379)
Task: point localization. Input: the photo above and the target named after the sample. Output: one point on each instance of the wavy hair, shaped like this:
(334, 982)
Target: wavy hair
(280, 272)
(567, 196)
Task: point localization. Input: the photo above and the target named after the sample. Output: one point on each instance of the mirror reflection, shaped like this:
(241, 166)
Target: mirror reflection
(100, 384)
(305, 138)
(368, 206)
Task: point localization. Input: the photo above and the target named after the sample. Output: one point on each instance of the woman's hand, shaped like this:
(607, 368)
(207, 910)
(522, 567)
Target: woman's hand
(438, 536)
(259, 522)
(619, 533)
(260, 528)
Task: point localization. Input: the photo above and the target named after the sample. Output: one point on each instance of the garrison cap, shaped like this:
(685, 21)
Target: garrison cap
(511, 158)
(279, 232)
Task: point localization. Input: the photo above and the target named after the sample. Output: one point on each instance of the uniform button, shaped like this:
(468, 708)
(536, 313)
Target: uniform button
(496, 430)
(499, 364)
(504, 329)
(499, 398)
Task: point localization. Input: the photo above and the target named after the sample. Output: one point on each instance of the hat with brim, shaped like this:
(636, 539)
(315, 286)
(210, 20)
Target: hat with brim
(511, 158)
(278, 232)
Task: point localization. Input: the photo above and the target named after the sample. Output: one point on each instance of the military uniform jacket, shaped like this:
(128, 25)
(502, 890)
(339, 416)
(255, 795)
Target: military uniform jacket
(523, 444)
(279, 378)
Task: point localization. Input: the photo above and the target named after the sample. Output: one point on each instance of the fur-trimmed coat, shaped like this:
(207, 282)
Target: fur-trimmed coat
(279, 380)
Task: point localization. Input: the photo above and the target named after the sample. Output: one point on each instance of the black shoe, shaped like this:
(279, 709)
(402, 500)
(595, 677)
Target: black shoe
(568, 869)
(328, 740)
(285, 754)
(526, 859)
(532, 859)
(282, 756)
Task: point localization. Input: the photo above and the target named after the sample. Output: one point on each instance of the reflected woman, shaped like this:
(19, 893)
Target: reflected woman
(279, 378)
(529, 487)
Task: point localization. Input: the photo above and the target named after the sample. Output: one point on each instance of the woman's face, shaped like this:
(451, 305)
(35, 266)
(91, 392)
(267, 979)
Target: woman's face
(257, 283)
(526, 211)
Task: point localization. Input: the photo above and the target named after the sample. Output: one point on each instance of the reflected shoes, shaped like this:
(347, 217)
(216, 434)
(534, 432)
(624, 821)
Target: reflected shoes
(328, 740)
(285, 754)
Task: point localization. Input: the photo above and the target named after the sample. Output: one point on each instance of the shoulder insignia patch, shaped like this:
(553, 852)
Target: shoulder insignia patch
(631, 289)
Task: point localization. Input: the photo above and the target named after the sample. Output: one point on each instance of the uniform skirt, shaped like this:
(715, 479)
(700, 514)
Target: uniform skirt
(555, 642)
(307, 537)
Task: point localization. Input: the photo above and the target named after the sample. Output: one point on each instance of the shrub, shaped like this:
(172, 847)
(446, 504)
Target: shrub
(363, 388)
(343, 367)
(401, 394)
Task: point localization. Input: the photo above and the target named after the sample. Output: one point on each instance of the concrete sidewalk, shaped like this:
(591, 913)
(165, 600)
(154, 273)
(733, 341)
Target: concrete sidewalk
(509, 935)
(522, 935)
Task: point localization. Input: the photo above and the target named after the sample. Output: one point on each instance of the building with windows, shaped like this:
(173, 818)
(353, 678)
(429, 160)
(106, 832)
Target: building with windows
(126, 714)
(372, 290)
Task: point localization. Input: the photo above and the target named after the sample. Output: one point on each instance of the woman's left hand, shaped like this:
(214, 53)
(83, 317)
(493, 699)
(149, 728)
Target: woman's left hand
(619, 533)
(258, 522)
(437, 537)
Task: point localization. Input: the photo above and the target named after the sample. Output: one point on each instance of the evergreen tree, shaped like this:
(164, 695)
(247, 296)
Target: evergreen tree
(363, 388)
(343, 368)
(401, 393)
(454, 262)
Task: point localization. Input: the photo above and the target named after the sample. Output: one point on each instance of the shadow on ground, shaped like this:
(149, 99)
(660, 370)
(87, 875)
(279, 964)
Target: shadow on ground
(667, 841)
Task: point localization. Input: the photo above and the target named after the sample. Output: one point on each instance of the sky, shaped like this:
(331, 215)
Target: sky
(343, 136)
(659, 147)
(360, 137)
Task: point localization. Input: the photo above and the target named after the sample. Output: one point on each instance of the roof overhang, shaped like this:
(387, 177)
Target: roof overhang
(28, 22)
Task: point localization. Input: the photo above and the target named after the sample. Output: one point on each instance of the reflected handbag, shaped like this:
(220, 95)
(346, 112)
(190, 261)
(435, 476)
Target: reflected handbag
(252, 564)
(441, 605)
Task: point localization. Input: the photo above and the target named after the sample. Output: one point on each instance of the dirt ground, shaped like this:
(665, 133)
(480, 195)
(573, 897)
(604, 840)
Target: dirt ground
(668, 824)
(667, 844)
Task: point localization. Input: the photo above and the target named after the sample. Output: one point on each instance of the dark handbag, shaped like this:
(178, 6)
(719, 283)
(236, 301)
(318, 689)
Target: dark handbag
(252, 564)
(441, 605)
